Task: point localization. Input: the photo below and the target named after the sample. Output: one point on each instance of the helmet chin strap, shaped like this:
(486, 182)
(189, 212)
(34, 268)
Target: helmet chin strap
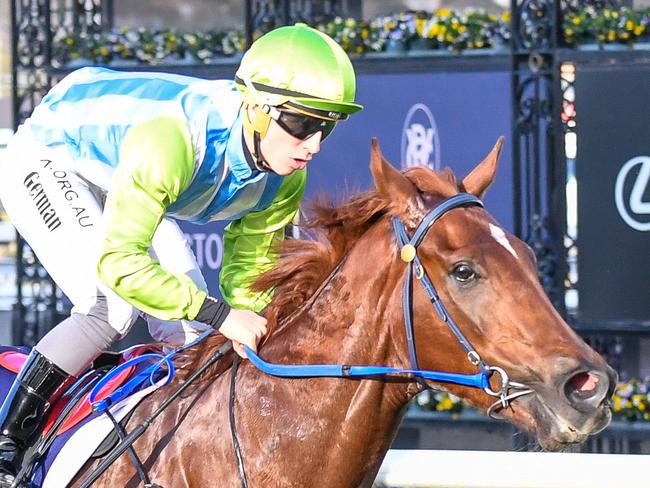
(258, 158)
(259, 161)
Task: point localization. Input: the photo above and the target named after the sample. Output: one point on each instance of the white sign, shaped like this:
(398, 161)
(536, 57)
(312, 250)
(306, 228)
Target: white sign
(420, 140)
(634, 201)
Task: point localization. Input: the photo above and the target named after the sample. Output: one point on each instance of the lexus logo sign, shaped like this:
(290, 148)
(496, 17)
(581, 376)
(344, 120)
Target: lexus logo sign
(420, 141)
(632, 183)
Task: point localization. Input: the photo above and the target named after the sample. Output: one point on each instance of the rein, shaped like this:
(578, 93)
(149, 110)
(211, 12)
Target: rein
(408, 253)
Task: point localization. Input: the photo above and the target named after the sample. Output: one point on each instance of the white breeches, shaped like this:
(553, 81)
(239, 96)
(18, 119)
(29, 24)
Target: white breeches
(60, 216)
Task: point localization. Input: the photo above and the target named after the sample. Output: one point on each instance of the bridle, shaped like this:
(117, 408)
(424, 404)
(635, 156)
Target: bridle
(505, 394)
(408, 253)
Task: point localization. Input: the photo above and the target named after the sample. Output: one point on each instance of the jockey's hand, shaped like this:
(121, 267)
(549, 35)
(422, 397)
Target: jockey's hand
(243, 328)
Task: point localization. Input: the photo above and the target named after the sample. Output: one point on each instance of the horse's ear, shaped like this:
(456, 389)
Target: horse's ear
(482, 176)
(390, 183)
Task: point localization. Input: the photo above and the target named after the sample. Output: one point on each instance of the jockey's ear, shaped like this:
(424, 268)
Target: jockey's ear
(392, 185)
(482, 176)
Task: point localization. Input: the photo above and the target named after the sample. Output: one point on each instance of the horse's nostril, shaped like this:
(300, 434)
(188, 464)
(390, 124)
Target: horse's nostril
(586, 388)
(584, 383)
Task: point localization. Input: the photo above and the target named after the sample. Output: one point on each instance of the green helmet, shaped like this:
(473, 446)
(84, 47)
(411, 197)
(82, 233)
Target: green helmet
(301, 65)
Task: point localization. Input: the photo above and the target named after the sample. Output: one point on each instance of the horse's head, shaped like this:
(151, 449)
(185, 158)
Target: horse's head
(487, 280)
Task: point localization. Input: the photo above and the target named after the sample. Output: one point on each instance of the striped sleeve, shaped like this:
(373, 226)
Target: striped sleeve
(156, 165)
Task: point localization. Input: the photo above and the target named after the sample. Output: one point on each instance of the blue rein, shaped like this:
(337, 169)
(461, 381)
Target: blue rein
(479, 380)
(408, 252)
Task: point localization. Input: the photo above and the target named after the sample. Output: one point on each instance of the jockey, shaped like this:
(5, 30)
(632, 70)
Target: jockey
(96, 178)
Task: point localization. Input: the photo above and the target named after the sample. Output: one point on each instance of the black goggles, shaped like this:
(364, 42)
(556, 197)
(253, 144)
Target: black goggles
(301, 126)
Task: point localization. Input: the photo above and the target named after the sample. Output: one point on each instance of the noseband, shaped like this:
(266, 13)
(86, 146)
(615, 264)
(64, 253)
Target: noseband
(508, 390)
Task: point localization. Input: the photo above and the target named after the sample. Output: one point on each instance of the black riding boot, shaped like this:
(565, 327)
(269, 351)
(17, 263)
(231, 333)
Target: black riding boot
(22, 415)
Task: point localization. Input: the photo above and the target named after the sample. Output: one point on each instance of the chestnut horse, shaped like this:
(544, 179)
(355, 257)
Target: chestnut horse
(338, 300)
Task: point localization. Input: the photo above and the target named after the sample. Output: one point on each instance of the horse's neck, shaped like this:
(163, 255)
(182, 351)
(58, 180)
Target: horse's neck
(349, 318)
(348, 322)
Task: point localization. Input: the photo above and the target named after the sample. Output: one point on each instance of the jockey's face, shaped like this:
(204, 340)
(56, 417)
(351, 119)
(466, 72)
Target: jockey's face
(284, 153)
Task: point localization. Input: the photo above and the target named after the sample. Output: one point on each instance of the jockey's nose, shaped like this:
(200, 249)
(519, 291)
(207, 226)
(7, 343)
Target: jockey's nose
(588, 390)
(312, 143)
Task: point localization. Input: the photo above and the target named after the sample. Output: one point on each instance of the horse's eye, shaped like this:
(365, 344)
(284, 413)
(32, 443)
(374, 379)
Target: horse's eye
(463, 273)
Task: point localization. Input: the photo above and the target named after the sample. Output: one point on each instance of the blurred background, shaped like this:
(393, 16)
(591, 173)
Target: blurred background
(567, 83)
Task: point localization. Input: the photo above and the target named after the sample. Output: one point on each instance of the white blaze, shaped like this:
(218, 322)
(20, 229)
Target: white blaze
(500, 236)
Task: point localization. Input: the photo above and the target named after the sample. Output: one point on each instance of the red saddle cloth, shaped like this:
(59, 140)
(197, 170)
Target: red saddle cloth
(14, 360)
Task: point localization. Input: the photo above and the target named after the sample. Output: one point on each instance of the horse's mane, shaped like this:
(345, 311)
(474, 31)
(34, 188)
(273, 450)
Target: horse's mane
(304, 264)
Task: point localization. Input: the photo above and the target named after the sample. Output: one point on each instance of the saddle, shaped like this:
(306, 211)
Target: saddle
(76, 429)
